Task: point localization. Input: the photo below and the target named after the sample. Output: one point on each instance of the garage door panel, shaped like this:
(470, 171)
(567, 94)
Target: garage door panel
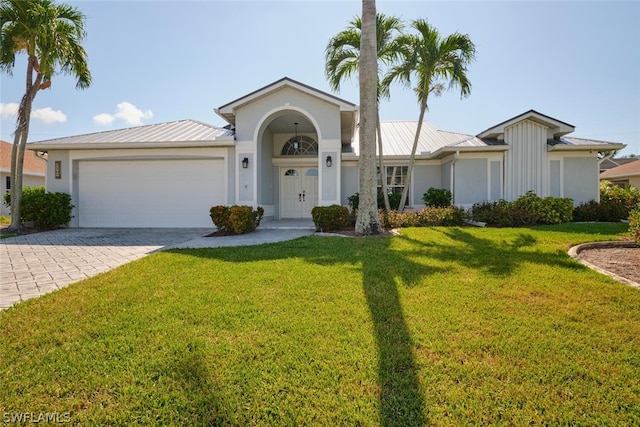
(149, 193)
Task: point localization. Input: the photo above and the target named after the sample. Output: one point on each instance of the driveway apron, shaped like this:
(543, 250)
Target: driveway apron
(35, 264)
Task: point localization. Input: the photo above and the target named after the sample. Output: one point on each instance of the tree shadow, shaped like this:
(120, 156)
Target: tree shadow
(386, 268)
(496, 259)
(401, 400)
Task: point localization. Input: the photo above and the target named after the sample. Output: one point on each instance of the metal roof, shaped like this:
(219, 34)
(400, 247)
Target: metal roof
(179, 132)
(398, 136)
(571, 143)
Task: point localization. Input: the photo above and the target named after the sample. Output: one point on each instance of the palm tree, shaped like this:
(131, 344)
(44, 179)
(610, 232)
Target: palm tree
(50, 35)
(342, 58)
(438, 64)
(368, 221)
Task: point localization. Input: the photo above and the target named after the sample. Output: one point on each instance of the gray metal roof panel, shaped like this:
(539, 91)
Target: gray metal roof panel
(177, 131)
(398, 136)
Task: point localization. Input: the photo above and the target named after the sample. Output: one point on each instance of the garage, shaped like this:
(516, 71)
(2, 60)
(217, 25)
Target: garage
(149, 193)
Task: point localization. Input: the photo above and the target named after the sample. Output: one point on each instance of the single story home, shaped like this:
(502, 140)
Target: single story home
(625, 175)
(33, 171)
(289, 147)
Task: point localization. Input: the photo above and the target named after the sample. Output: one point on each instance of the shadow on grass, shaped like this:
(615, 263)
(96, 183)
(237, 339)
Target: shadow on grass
(384, 269)
(401, 400)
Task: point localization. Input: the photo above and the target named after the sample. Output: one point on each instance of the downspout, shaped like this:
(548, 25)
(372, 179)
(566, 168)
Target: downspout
(453, 176)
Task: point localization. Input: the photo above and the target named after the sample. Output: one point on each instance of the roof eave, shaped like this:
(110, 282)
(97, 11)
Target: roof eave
(590, 147)
(448, 150)
(219, 142)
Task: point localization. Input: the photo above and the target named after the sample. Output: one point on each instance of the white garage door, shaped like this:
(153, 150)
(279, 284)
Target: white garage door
(149, 193)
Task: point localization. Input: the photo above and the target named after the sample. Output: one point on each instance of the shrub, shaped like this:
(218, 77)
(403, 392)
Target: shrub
(427, 217)
(497, 213)
(615, 204)
(528, 209)
(236, 219)
(437, 197)
(328, 218)
(634, 223)
(46, 210)
(394, 201)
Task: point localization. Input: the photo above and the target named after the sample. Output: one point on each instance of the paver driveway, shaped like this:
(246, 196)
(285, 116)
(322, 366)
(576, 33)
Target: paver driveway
(35, 264)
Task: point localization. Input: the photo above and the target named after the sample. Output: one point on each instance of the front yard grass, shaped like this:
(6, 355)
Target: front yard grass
(437, 326)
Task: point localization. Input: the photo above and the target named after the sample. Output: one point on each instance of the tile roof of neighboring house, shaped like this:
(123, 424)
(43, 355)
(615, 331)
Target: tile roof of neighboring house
(33, 165)
(179, 132)
(628, 169)
(398, 136)
(612, 163)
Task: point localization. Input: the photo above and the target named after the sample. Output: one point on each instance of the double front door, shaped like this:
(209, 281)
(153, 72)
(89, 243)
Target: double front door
(298, 192)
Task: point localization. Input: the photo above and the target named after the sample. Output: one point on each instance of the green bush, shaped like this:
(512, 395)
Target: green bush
(394, 201)
(528, 209)
(46, 210)
(330, 218)
(236, 219)
(427, 217)
(437, 197)
(634, 223)
(615, 204)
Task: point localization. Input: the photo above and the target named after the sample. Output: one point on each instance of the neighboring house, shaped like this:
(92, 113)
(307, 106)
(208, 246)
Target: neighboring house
(33, 172)
(625, 175)
(607, 164)
(289, 147)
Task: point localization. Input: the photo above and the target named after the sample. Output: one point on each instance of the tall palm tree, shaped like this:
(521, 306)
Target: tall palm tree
(50, 35)
(342, 58)
(438, 64)
(367, 221)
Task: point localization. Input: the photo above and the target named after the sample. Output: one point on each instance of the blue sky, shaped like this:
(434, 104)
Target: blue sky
(157, 61)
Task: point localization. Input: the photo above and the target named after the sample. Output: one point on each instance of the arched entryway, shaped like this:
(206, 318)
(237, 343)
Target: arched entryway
(289, 175)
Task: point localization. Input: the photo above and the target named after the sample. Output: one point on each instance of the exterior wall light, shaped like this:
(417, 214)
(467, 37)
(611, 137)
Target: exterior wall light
(329, 161)
(245, 163)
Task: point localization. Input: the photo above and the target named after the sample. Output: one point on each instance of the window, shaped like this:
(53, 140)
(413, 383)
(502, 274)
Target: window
(300, 146)
(396, 176)
(8, 183)
(291, 172)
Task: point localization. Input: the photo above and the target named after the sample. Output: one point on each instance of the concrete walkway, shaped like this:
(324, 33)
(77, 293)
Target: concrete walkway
(35, 264)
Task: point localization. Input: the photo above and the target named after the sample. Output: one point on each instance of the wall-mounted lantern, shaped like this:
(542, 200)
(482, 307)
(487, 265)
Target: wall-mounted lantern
(245, 163)
(329, 161)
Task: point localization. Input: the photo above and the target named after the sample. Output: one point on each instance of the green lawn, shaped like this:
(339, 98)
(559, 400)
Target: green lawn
(438, 326)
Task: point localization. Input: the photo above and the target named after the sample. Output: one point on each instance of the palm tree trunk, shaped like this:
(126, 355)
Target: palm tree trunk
(20, 142)
(412, 158)
(383, 169)
(368, 221)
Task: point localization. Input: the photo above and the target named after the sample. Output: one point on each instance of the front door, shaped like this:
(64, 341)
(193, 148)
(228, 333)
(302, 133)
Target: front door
(298, 192)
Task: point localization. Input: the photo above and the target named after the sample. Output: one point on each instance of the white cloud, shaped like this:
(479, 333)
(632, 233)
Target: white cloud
(103, 119)
(126, 111)
(8, 110)
(48, 115)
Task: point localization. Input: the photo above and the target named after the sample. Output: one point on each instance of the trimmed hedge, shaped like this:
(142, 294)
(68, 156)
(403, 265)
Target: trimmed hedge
(236, 219)
(427, 217)
(330, 218)
(47, 210)
(527, 210)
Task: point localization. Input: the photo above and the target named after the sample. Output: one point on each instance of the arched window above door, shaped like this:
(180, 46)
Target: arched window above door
(300, 146)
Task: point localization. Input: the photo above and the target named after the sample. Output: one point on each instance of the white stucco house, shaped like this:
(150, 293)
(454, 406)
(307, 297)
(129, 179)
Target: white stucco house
(289, 147)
